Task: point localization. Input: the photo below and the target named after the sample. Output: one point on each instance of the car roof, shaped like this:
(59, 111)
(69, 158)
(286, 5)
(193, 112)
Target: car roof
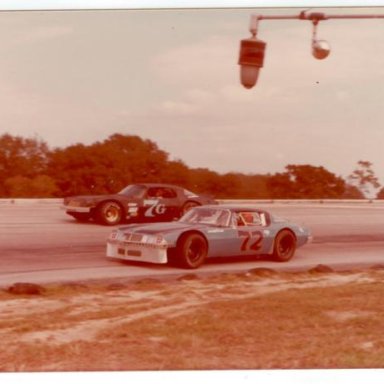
(157, 185)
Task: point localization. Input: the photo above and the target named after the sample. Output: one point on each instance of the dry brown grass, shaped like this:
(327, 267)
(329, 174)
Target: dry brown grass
(249, 321)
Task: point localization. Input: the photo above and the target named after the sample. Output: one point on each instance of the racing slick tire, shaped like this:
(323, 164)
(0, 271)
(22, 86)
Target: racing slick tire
(187, 206)
(191, 251)
(109, 213)
(80, 216)
(284, 246)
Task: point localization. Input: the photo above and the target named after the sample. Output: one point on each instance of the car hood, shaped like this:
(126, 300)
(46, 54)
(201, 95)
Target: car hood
(91, 197)
(160, 228)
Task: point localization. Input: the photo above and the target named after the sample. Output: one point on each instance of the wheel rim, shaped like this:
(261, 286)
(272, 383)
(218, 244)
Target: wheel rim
(285, 246)
(112, 213)
(195, 251)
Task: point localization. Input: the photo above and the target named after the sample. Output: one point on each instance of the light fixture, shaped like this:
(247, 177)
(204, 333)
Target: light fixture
(252, 50)
(320, 48)
(251, 60)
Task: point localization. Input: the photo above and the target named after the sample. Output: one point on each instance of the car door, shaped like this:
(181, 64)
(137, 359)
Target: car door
(171, 202)
(246, 238)
(237, 242)
(159, 204)
(223, 242)
(226, 241)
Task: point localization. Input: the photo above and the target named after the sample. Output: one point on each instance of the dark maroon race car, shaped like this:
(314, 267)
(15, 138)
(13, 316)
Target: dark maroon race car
(144, 202)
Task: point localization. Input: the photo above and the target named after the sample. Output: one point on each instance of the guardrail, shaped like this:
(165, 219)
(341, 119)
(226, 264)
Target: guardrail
(221, 201)
(302, 201)
(30, 201)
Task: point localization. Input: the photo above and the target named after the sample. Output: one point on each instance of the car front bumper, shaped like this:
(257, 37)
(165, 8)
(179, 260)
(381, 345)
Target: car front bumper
(136, 252)
(75, 209)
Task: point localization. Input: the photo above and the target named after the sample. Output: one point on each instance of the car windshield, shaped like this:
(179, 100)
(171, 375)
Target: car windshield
(210, 216)
(189, 194)
(133, 190)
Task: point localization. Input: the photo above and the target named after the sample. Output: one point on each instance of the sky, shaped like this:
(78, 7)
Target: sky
(171, 76)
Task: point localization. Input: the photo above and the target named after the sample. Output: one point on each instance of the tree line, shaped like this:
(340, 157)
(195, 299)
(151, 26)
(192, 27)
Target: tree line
(29, 168)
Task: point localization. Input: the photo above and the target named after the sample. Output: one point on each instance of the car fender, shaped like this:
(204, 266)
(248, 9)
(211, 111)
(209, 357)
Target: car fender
(190, 232)
(112, 200)
(282, 228)
(270, 234)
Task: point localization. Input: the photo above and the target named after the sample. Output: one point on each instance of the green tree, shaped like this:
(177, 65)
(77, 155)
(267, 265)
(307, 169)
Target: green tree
(306, 182)
(352, 192)
(37, 187)
(23, 157)
(108, 166)
(363, 177)
(254, 187)
(280, 186)
(205, 181)
(380, 194)
(234, 185)
(175, 172)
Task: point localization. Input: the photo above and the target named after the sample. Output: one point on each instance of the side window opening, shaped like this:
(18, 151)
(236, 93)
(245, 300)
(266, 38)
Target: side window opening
(161, 193)
(169, 193)
(251, 218)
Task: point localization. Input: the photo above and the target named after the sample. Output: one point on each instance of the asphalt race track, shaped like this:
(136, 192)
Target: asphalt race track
(40, 243)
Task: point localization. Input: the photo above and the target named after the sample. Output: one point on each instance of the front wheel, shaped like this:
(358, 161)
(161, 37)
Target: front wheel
(191, 251)
(285, 245)
(109, 213)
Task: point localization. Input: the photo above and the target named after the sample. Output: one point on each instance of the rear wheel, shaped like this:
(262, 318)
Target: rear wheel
(191, 251)
(109, 213)
(285, 245)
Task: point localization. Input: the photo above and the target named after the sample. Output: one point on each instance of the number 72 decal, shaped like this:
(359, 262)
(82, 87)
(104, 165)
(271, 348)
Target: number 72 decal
(252, 240)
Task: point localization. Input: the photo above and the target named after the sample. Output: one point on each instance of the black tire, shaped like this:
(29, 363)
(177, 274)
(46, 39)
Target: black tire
(191, 251)
(187, 206)
(81, 217)
(285, 246)
(109, 213)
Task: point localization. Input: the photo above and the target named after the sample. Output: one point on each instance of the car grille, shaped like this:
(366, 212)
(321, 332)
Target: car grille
(137, 239)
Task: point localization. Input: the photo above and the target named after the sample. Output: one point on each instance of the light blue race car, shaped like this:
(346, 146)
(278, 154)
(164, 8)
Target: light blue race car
(208, 231)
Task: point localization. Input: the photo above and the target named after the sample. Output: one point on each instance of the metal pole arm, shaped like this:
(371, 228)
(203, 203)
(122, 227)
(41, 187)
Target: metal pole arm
(315, 17)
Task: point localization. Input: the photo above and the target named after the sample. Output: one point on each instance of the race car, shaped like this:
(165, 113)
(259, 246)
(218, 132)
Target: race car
(208, 231)
(136, 203)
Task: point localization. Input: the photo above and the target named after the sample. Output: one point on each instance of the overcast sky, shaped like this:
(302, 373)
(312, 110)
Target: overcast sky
(171, 76)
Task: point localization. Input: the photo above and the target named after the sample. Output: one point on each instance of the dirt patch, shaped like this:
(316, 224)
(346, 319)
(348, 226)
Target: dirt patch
(83, 315)
(348, 315)
(71, 320)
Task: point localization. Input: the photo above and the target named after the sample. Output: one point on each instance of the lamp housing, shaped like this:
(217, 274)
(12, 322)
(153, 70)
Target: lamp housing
(251, 59)
(320, 49)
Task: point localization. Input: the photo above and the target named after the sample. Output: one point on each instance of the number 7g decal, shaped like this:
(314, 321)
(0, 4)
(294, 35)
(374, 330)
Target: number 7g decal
(155, 208)
(252, 240)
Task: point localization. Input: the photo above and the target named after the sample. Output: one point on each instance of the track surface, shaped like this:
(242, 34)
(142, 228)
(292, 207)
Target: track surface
(40, 243)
